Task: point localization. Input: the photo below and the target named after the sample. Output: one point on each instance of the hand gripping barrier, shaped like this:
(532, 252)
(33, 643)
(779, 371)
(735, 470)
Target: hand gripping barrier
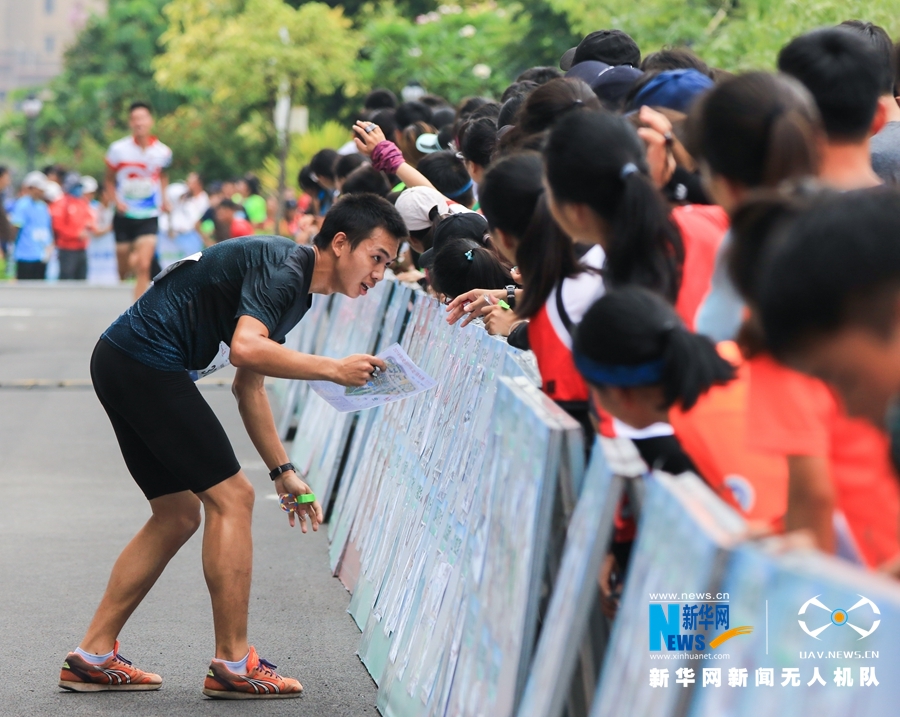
(470, 537)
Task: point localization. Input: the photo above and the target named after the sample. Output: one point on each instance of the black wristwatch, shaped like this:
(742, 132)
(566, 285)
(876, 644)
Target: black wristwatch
(511, 295)
(275, 472)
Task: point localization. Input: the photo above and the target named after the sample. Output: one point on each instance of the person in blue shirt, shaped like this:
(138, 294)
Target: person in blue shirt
(31, 216)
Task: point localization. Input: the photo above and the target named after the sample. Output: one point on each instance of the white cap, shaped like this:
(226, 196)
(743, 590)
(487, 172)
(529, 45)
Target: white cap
(415, 205)
(89, 184)
(37, 180)
(52, 192)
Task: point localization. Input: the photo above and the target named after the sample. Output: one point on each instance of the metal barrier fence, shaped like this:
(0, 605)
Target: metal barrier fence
(471, 537)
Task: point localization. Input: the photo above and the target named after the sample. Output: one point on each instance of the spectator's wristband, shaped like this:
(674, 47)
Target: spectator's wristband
(276, 472)
(387, 157)
(511, 295)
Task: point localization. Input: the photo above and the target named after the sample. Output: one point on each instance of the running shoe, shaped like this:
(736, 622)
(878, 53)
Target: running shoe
(260, 683)
(116, 674)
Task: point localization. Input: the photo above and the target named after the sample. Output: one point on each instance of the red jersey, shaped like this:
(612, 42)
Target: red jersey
(72, 220)
(702, 229)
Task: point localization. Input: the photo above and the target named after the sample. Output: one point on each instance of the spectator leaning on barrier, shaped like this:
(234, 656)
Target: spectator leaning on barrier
(640, 360)
(233, 303)
(31, 216)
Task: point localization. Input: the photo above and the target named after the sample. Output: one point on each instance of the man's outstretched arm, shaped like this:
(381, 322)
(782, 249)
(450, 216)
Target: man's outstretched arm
(252, 348)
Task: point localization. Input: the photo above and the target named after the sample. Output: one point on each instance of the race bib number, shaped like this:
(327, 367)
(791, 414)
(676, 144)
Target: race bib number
(138, 188)
(197, 256)
(221, 360)
(40, 235)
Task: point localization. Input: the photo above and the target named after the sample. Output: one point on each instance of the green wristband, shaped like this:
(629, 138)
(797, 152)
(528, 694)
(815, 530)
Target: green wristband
(306, 498)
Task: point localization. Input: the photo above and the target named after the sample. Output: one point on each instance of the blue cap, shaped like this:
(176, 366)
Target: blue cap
(674, 89)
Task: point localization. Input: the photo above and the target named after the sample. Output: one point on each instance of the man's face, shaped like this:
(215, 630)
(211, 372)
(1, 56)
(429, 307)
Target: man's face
(193, 183)
(363, 267)
(141, 122)
(4, 181)
(224, 214)
(863, 366)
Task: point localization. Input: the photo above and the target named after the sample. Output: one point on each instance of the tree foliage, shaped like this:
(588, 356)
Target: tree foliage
(726, 33)
(240, 52)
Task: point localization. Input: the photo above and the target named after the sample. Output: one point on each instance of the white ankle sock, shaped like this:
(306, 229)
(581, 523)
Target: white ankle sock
(91, 658)
(238, 668)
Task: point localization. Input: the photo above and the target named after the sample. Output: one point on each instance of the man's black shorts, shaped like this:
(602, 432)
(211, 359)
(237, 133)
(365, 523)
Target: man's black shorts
(127, 230)
(170, 438)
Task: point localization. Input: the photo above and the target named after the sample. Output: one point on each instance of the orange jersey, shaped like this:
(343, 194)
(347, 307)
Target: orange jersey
(791, 414)
(702, 229)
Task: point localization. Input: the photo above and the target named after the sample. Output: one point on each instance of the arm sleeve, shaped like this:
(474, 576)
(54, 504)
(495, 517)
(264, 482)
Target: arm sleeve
(18, 212)
(267, 294)
(518, 337)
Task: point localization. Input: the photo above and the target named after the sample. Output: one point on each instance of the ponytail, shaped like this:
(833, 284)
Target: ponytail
(691, 366)
(631, 337)
(597, 159)
(645, 247)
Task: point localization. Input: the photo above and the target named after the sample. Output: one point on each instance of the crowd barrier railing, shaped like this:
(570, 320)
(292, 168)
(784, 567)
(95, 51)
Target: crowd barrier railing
(470, 535)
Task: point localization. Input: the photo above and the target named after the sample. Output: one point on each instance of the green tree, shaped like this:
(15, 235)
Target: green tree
(453, 52)
(241, 53)
(726, 33)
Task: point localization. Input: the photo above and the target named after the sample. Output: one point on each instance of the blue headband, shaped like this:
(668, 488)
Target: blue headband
(599, 374)
(459, 192)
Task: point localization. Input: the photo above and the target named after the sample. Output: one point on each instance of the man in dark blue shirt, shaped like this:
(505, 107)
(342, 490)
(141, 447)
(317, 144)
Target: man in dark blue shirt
(232, 303)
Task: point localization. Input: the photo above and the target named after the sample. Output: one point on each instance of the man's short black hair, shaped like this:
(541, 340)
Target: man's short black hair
(448, 174)
(539, 75)
(3, 170)
(322, 163)
(139, 105)
(843, 73)
(411, 112)
(357, 216)
(347, 163)
(836, 264)
(879, 39)
(380, 99)
(366, 179)
(228, 204)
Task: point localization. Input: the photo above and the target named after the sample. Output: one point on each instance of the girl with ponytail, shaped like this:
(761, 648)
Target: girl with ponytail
(640, 361)
(600, 193)
(558, 288)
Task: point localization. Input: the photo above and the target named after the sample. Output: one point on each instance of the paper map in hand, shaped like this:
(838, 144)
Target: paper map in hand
(401, 379)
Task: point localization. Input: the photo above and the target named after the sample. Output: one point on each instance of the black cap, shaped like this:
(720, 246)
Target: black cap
(464, 225)
(611, 84)
(613, 47)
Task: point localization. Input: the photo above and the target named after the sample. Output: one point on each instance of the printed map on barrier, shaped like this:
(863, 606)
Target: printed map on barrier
(401, 379)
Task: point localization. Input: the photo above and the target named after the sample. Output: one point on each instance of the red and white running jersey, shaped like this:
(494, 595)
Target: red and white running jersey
(549, 337)
(138, 173)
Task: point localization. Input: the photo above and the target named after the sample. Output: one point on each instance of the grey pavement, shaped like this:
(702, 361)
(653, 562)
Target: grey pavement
(68, 506)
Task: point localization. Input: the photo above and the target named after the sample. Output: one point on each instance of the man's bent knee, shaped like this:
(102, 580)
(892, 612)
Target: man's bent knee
(232, 494)
(179, 513)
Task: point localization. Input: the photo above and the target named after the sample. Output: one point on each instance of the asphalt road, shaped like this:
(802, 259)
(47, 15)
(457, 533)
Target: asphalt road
(68, 506)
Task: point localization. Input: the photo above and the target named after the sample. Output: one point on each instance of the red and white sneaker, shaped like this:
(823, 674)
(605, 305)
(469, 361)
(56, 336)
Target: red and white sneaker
(260, 683)
(115, 675)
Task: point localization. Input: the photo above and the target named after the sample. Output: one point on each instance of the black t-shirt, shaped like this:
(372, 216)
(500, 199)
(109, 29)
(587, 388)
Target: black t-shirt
(180, 322)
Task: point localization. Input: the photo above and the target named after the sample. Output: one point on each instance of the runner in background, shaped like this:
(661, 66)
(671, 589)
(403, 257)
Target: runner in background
(136, 180)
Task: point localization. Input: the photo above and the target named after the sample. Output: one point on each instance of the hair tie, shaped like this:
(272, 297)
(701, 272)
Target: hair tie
(629, 168)
(469, 255)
